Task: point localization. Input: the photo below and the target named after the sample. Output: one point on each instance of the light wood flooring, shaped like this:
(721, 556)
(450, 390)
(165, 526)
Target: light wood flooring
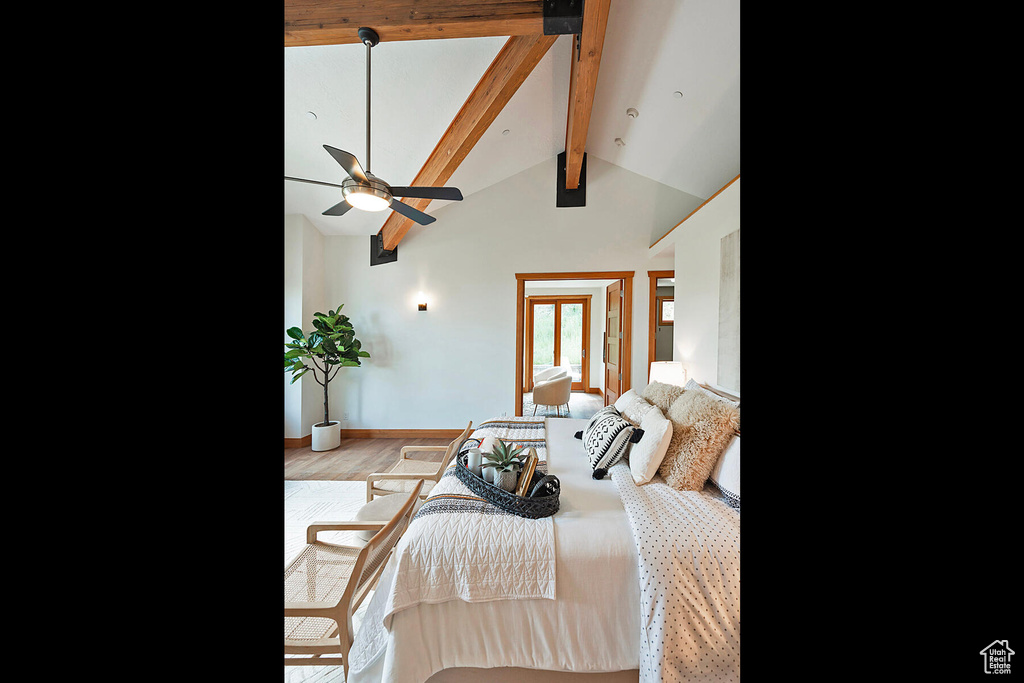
(353, 460)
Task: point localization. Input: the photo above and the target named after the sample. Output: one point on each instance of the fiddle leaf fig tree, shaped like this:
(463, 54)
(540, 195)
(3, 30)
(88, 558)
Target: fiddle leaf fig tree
(331, 345)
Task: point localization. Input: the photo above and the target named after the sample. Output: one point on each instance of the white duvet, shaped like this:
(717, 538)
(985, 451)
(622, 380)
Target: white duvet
(592, 625)
(689, 554)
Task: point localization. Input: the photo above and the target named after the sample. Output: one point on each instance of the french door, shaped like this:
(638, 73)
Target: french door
(558, 334)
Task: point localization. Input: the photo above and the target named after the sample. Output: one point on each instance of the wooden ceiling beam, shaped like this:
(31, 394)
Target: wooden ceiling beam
(335, 22)
(502, 79)
(582, 84)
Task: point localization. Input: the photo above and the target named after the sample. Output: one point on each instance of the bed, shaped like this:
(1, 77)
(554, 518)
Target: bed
(623, 583)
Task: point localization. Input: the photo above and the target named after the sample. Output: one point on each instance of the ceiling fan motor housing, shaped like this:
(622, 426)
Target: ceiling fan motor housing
(373, 186)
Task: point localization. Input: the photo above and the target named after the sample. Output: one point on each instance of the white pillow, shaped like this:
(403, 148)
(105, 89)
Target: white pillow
(622, 401)
(645, 457)
(726, 472)
(692, 385)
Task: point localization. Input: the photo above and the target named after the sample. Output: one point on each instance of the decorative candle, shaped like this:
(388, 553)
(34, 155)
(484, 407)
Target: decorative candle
(473, 460)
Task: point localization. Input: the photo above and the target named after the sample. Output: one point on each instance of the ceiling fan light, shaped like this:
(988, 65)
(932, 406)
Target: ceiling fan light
(367, 201)
(375, 196)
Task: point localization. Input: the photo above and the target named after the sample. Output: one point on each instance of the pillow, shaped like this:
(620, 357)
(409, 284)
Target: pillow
(701, 429)
(726, 473)
(622, 401)
(662, 395)
(606, 440)
(635, 410)
(692, 385)
(607, 410)
(646, 456)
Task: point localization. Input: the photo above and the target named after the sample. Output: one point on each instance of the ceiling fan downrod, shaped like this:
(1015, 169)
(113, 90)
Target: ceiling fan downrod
(369, 38)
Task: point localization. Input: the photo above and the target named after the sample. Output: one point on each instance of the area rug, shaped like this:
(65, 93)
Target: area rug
(306, 502)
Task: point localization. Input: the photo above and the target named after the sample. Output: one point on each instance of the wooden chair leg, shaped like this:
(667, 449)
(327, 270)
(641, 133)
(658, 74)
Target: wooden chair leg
(534, 408)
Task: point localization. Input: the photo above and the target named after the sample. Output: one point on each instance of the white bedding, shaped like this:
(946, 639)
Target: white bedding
(593, 625)
(689, 551)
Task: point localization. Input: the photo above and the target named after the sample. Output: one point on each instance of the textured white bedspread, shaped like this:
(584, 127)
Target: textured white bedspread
(592, 625)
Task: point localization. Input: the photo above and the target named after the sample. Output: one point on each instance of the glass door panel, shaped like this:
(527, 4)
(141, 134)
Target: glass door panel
(543, 336)
(571, 347)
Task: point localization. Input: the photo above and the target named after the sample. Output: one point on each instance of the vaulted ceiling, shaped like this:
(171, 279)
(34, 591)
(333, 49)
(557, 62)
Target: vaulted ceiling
(675, 62)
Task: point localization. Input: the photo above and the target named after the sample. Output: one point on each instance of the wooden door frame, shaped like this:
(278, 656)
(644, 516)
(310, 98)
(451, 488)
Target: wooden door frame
(627, 320)
(558, 299)
(652, 316)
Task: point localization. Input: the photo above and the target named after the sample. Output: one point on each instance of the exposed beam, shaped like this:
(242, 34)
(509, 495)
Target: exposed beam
(334, 22)
(582, 84)
(503, 77)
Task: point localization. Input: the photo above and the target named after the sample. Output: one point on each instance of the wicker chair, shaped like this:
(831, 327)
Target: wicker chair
(403, 475)
(326, 583)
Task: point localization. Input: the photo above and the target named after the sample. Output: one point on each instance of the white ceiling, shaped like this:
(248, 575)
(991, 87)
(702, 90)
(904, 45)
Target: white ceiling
(652, 49)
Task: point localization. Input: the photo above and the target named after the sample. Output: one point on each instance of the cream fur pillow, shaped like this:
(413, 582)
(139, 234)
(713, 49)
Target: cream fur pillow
(701, 429)
(662, 395)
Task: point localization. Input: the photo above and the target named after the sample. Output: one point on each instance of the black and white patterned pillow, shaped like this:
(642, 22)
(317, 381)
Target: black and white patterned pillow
(607, 410)
(606, 439)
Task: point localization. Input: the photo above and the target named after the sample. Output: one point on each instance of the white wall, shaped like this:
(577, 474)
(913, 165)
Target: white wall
(455, 362)
(697, 246)
(304, 288)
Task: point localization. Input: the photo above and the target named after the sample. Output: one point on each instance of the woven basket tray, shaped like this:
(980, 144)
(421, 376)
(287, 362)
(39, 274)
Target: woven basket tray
(534, 508)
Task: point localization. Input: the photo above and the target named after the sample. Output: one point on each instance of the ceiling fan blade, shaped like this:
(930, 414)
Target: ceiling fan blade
(409, 212)
(338, 209)
(451, 193)
(314, 182)
(348, 162)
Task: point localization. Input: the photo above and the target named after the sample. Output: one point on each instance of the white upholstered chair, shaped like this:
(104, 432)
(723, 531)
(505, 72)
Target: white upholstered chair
(553, 392)
(548, 373)
(403, 475)
(325, 584)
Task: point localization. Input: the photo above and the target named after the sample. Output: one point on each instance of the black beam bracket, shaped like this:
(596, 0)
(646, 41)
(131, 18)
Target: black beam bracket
(562, 17)
(577, 197)
(378, 254)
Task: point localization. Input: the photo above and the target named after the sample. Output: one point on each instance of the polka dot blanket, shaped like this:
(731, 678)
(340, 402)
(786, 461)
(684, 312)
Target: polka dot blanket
(689, 567)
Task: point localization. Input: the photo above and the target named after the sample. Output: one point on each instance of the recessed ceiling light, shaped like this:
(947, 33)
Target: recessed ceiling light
(505, 132)
(677, 94)
(619, 142)
(311, 116)
(632, 113)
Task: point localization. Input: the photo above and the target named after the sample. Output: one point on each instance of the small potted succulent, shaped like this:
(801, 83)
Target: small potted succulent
(506, 460)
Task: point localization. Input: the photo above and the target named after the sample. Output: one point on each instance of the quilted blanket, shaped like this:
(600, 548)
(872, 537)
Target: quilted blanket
(689, 569)
(527, 432)
(461, 547)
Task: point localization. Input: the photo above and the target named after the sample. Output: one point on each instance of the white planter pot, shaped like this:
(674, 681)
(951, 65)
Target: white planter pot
(506, 481)
(326, 438)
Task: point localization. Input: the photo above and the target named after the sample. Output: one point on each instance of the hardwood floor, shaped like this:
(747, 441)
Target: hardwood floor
(353, 460)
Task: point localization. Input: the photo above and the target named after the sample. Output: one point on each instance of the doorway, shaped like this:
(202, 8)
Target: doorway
(558, 335)
(524, 324)
(661, 317)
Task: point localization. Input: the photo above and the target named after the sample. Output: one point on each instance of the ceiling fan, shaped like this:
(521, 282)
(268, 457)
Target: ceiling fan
(366, 191)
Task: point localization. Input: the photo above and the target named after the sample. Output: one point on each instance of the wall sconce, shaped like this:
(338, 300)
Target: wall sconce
(422, 301)
(668, 372)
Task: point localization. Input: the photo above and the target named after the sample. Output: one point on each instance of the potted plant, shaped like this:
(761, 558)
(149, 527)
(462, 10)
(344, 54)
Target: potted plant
(332, 345)
(506, 461)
